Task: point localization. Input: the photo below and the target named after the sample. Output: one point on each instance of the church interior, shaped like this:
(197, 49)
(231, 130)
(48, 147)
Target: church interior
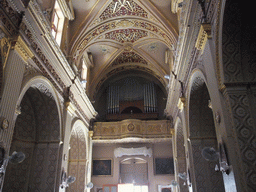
(127, 96)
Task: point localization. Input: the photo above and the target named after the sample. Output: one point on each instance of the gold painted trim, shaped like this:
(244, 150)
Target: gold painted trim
(221, 86)
(203, 36)
(5, 41)
(172, 131)
(90, 134)
(181, 103)
(70, 107)
(23, 50)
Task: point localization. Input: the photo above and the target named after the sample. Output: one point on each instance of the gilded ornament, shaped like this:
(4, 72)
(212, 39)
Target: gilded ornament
(204, 34)
(131, 127)
(5, 124)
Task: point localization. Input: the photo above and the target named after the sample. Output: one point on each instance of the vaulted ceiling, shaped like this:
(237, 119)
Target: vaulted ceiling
(123, 35)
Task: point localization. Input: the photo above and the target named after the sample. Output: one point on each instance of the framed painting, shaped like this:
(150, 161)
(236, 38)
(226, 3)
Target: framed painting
(164, 166)
(102, 167)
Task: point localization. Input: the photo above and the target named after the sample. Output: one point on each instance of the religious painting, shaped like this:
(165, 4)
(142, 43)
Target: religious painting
(164, 166)
(102, 167)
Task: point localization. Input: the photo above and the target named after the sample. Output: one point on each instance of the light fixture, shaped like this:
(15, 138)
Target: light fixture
(15, 158)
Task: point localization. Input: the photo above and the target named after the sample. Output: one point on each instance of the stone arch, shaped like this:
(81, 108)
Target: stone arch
(180, 154)
(202, 134)
(37, 133)
(78, 156)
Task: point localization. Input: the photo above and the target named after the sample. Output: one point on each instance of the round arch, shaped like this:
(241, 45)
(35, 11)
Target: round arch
(201, 134)
(44, 85)
(37, 134)
(78, 156)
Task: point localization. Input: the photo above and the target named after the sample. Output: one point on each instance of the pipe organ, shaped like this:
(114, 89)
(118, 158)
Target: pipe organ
(148, 98)
(113, 99)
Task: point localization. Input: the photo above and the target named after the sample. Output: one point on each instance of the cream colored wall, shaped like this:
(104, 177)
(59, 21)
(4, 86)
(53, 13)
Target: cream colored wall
(106, 151)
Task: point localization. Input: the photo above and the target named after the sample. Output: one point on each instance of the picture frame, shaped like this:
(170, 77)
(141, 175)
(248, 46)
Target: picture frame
(102, 167)
(164, 166)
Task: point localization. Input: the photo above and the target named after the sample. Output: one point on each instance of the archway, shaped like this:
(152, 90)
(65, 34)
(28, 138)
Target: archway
(37, 134)
(202, 134)
(181, 165)
(77, 166)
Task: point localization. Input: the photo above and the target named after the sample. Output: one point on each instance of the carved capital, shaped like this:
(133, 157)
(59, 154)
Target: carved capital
(203, 36)
(21, 47)
(181, 103)
(70, 107)
(90, 134)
